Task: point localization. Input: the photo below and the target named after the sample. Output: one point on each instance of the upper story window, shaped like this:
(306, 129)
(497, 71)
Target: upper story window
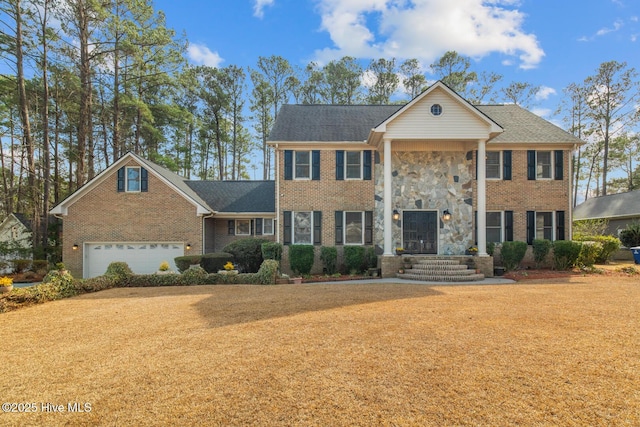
(133, 179)
(353, 165)
(302, 165)
(543, 165)
(494, 165)
(436, 109)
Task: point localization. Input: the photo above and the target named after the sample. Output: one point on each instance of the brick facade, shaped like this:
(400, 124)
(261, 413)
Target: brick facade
(105, 215)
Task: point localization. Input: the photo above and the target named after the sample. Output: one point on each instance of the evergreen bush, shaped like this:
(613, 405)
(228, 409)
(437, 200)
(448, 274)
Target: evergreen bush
(301, 258)
(247, 253)
(589, 253)
(215, 261)
(512, 254)
(565, 254)
(354, 259)
(183, 263)
(630, 236)
(329, 257)
(272, 250)
(541, 248)
(118, 270)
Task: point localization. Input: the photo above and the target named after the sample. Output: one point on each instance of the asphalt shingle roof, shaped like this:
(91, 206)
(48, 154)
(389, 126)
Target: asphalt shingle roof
(612, 205)
(354, 122)
(236, 196)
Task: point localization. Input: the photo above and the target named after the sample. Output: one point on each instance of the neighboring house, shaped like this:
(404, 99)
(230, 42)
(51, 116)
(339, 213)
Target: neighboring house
(15, 238)
(618, 209)
(141, 213)
(386, 175)
(434, 176)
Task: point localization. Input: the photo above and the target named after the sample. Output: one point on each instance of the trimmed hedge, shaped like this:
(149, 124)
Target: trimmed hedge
(301, 258)
(354, 259)
(565, 254)
(215, 261)
(609, 245)
(512, 254)
(329, 257)
(541, 248)
(184, 262)
(247, 253)
(271, 250)
(589, 253)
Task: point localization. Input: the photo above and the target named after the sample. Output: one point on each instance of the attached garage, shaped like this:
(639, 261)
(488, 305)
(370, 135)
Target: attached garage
(142, 257)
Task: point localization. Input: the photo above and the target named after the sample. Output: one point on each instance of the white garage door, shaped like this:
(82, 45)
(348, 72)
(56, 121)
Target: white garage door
(142, 258)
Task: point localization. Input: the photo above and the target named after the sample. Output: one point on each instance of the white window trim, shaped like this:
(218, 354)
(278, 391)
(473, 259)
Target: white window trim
(500, 167)
(264, 220)
(346, 163)
(126, 179)
(551, 162)
(553, 225)
(502, 225)
(344, 228)
(293, 228)
(295, 175)
(238, 228)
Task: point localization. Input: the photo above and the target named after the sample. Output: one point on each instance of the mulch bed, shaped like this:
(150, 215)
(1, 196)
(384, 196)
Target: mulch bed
(563, 351)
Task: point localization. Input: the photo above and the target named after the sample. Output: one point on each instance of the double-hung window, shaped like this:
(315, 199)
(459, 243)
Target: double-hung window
(494, 165)
(353, 165)
(302, 165)
(494, 227)
(267, 226)
(544, 165)
(243, 227)
(302, 227)
(133, 179)
(353, 228)
(544, 225)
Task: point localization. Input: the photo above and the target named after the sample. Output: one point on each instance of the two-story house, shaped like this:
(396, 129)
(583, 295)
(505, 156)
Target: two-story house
(434, 176)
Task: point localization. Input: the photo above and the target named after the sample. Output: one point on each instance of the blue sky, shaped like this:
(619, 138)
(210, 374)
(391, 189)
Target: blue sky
(550, 43)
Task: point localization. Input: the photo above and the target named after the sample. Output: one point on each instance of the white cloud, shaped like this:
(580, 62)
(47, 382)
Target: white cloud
(425, 29)
(545, 92)
(542, 112)
(605, 30)
(202, 55)
(258, 7)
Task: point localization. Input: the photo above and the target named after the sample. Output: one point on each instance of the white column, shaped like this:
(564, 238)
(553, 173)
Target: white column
(482, 198)
(387, 202)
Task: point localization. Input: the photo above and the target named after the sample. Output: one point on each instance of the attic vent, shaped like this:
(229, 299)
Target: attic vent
(436, 109)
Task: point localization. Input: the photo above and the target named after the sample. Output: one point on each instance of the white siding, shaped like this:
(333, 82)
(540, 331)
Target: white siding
(455, 122)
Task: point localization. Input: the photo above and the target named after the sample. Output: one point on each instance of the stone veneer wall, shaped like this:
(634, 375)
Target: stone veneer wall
(430, 181)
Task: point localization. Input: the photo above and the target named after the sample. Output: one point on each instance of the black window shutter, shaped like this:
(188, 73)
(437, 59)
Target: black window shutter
(475, 227)
(508, 226)
(251, 225)
(560, 225)
(121, 179)
(288, 164)
(531, 165)
(317, 227)
(506, 165)
(339, 229)
(258, 226)
(366, 163)
(231, 227)
(286, 239)
(368, 227)
(559, 165)
(531, 227)
(339, 165)
(315, 165)
(144, 180)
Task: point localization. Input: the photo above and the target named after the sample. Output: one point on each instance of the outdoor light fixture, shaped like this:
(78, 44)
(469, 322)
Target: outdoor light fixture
(396, 215)
(188, 247)
(446, 215)
(75, 246)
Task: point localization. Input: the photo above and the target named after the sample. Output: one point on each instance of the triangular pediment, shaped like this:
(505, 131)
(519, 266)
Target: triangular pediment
(439, 114)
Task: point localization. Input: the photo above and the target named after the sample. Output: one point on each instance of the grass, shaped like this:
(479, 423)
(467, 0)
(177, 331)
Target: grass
(563, 351)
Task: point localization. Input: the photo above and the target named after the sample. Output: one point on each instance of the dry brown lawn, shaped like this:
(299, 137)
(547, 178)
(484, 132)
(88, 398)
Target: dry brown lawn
(537, 353)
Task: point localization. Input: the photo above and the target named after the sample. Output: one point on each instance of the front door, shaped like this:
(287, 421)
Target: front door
(420, 232)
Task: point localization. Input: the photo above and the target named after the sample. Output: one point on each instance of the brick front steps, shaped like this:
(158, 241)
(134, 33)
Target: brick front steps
(438, 270)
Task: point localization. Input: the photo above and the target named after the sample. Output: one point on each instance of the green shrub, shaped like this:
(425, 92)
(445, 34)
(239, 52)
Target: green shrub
(184, 262)
(371, 259)
(512, 254)
(267, 273)
(541, 248)
(301, 258)
(247, 253)
(329, 257)
(20, 265)
(271, 250)
(589, 254)
(565, 254)
(151, 280)
(354, 259)
(62, 283)
(630, 236)
(609, 244)
(118, 270)
(215, 261)
(589, 227)
(194, 276)
(491, 248)
(95, 284)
